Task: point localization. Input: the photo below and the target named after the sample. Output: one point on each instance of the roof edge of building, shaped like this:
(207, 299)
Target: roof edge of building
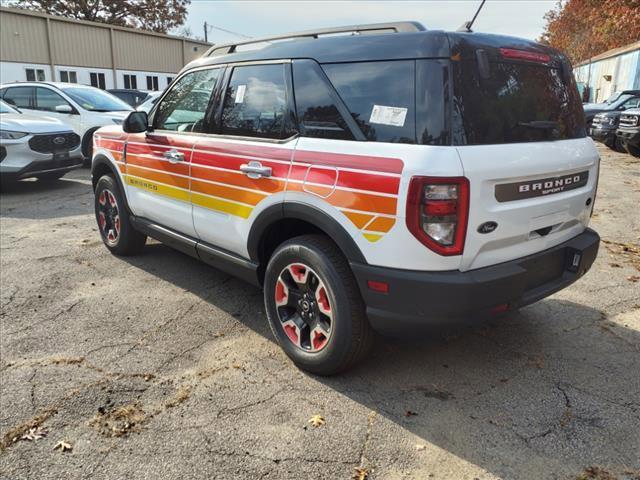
(614, 52)
(20, 11)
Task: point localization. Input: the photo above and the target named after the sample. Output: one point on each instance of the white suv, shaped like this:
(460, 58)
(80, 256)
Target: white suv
(83, 108)
(382, 181)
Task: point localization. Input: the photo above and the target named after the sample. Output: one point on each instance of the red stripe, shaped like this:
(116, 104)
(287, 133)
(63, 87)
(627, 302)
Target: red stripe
(356, 180)
(376, 164)
(248, 150)
(233, 163)
(154, 149)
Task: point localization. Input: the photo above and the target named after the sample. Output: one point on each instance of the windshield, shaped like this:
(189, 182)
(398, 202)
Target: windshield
(6, 108)
(96, 100)
(618, 101)
(518, 103)
(614, 96)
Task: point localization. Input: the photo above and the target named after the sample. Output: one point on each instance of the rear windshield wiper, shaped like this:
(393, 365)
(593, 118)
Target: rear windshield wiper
(539, 124)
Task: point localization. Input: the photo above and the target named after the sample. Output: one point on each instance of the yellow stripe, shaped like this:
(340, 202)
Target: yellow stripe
(372, 237)
(221, 205)
(158, 188)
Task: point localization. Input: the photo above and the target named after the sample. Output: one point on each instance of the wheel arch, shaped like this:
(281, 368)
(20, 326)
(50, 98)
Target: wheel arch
(100, 166)
(281, 222)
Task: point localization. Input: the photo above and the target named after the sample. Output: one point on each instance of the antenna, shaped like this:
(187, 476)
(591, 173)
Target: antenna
(466, 26)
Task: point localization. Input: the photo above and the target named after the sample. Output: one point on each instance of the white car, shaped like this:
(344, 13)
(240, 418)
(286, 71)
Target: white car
(82, 107)
(149, 102)
(31, 146)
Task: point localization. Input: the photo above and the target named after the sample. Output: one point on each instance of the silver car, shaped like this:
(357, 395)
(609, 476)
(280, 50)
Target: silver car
(34, 146)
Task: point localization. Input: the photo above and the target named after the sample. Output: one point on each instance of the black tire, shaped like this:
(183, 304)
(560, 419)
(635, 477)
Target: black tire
(117, 233)
(50, 176)
(618, 145)
(351, 336)
(633, 150)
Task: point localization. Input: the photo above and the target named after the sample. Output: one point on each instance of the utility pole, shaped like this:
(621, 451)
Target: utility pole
(205, 32)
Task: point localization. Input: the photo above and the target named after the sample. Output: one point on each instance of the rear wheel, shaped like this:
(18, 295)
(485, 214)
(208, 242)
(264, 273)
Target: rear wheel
(314, 306)
(113, 219)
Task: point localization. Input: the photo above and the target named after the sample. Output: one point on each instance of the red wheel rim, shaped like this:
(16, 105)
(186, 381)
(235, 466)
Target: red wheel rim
(108, 217)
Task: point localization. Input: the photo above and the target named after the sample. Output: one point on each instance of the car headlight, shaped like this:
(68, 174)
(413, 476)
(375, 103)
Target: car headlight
(9, 135)
(117, 121)
(610, 120)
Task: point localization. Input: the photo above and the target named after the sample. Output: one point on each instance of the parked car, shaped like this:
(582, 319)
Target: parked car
(629, 131)
(149, 102)
(130, 96)
(84, 108)
(619, 101)
(603, 130)
(35, 146)
(384, 181)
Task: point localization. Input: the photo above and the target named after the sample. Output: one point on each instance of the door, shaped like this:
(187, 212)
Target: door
(242, 167)
(48, 102)
(158, 161)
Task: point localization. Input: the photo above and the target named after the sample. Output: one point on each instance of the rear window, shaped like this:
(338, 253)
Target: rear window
(518, 103)
(380, 97)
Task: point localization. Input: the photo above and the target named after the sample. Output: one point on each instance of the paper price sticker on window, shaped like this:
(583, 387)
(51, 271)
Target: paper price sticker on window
(394, 116)
(240, 93)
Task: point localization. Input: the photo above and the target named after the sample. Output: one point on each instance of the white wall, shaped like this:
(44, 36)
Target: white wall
(15, 72)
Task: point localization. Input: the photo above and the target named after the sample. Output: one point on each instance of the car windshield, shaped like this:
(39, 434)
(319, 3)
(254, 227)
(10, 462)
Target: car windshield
(614, 96)
(6, 108)
(618, 101)
(96, 100)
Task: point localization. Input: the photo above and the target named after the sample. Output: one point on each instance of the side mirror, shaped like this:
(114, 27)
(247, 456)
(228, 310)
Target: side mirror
(136, 122)
(64, 109)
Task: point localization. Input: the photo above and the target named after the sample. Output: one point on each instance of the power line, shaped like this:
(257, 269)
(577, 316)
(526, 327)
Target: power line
(208, 26)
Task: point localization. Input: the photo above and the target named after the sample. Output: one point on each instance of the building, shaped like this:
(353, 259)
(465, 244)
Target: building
(611, 71)
(35, 46)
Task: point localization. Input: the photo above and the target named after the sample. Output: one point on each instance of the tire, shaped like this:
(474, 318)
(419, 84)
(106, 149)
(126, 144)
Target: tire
(112, 217)
(618, 146)
(50, 176)
(338, 305)
(633, 150)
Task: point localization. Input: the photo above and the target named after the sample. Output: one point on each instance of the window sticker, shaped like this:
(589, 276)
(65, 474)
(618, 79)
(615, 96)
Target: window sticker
(240, 93)
(394, 116)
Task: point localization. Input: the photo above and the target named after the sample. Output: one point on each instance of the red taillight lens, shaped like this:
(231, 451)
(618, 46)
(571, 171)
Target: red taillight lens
(437, 212)
(515, 54)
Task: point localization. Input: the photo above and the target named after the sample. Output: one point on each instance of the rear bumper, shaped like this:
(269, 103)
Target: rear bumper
(630, 136)
(426, 299)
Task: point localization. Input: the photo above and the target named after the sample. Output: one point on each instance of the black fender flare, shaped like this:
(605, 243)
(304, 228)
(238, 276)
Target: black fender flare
(307, 213)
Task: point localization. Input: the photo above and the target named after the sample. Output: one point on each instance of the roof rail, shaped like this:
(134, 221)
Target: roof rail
(396, 27)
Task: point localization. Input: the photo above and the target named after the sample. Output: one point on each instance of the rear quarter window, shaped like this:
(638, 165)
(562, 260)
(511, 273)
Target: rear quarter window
(380, 97)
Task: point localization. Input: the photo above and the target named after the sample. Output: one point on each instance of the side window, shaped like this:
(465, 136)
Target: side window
(185, 105)
(317, 113)
(48, 100)
(255, 102)
(380, 96)
(21, 97)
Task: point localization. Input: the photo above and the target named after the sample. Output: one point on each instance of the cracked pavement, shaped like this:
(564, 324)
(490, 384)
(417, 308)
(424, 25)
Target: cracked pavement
(159, 367)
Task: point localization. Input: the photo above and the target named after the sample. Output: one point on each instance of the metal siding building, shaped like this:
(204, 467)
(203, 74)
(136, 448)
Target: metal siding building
(612, 71)
(43, 47)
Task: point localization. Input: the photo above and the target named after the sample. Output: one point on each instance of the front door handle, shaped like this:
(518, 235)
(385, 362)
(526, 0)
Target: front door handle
(255, 170)
(174, 156)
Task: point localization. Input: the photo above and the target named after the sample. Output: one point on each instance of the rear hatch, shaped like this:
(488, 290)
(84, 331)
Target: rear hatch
(519, 129)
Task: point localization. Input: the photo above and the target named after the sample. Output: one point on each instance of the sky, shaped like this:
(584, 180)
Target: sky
(521, 18)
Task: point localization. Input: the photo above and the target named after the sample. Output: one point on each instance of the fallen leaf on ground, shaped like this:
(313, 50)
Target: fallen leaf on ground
(420, 446)
(63, 446)
(35, 433)
(317, 421)
(633, 278)
(410, 413)
(360, 473)
(615, 265)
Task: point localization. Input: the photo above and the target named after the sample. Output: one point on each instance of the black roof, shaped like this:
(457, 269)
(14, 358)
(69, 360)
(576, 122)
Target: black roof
(386, 46)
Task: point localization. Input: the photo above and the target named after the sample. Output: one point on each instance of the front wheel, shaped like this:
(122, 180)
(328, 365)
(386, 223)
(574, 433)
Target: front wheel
(314, 307)
(113, 219)
(633, 150)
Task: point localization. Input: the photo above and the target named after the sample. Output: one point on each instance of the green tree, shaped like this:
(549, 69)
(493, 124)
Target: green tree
(155, 15)
(586, 28)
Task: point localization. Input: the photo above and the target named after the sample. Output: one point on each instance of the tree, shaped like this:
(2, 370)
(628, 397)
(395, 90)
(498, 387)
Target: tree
(586, 28)
(155, 15)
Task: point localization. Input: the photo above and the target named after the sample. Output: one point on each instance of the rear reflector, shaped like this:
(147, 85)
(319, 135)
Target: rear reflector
(514, 54)
(503, 307)
(381, 287)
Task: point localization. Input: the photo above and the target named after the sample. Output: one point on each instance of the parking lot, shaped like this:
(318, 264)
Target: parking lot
(158, 366)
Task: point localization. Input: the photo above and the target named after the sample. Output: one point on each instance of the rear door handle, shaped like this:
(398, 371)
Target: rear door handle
(255, 170)
(174, 156)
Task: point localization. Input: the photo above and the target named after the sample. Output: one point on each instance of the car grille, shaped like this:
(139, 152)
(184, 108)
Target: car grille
(629, 120)
(597, 121)
(57, 142)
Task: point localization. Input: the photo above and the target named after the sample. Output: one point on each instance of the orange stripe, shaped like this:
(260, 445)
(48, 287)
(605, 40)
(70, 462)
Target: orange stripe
(165, 178)
(353, 200)
(179, 168)
(358, 219)
(227, 193)
(381, 224)
(266, 185)
(122, 168)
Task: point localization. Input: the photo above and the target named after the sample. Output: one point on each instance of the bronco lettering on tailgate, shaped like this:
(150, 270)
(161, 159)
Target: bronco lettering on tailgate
(540, 187)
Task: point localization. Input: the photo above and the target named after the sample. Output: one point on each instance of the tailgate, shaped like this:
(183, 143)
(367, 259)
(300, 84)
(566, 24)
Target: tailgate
(539, 194)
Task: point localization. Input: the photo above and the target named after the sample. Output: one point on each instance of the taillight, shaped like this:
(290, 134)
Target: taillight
(437, 212)
(524, 55)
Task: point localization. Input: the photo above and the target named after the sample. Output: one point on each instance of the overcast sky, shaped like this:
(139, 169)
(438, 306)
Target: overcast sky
(522, 18)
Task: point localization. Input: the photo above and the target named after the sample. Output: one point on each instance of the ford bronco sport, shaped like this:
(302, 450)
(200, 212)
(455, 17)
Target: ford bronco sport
(380, 181)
